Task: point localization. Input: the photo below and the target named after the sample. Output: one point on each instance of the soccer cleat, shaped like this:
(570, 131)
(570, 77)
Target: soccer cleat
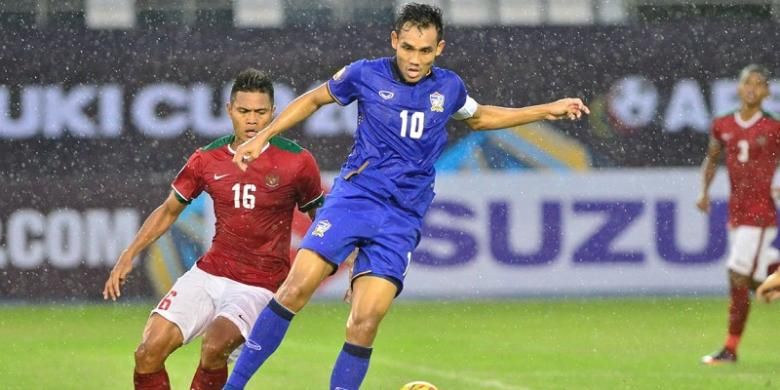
(724, 356)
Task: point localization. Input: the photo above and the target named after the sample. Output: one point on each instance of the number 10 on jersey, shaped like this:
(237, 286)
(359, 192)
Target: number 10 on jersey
(415, 125)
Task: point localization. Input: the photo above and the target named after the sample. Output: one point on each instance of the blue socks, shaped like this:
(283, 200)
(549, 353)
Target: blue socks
(269, 330)
(265, 337)
(351, 367)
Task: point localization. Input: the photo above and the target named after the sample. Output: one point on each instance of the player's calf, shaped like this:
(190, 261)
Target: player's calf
(161, 337)
(372, 299)
(214, 356)
(149, 373)
(219, 340)
(150, 357)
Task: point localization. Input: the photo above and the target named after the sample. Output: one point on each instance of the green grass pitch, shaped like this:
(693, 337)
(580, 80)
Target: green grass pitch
(643, 343)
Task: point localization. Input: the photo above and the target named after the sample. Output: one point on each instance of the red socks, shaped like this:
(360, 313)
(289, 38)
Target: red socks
(738, 314)
(154, 381)
(209, 379)
(204, 380)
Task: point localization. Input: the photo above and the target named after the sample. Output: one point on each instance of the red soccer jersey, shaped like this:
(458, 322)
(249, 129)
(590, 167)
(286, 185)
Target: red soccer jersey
(254, 209)
(752, 153)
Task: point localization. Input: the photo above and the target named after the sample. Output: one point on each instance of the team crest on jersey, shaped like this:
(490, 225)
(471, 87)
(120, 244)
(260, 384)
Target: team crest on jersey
(271, 180)
(437, 102)
(321, 228)
(761, 140)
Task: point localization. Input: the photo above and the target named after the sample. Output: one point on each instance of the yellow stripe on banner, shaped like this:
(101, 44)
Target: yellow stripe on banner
(157, 270)
(559, 146)
(171, 256)
(193, 228)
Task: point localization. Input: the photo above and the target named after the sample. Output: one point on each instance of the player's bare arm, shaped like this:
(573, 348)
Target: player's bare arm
(297, 111)
(494, 117)
(157, 223)
(708, 169)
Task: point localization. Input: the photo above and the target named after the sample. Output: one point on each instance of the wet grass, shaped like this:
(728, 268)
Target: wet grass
(647, 343)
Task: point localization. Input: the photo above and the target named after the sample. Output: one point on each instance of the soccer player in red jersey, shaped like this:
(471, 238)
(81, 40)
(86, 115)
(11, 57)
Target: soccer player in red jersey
(750, 139)
(222, 294)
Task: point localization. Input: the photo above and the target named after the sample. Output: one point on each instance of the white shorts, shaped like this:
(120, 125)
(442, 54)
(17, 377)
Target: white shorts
(751, 251)
(198, 297)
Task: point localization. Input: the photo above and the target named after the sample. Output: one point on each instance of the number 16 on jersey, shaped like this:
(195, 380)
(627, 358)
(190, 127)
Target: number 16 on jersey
(244, 196)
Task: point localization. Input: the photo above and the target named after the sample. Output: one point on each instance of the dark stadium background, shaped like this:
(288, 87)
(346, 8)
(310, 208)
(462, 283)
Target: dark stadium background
(655, 73)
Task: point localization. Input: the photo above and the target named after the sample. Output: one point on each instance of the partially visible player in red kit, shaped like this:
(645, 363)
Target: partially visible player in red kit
(751, 141)
(222, 294)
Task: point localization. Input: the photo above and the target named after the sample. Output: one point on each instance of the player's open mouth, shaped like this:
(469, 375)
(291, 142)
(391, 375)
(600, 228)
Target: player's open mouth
(413, 72)
(251, 133)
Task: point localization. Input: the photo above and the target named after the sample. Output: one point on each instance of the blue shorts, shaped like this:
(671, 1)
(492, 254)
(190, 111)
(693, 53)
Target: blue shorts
(352, 217)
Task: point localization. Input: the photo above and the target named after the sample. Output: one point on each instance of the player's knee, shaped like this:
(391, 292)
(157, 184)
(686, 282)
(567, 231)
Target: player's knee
(738, 280)
(214, 355)
(292, 296)
(361, 329)
(148, 357)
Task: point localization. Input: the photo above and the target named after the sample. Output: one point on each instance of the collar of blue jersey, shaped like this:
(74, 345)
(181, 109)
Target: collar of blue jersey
(397, 72)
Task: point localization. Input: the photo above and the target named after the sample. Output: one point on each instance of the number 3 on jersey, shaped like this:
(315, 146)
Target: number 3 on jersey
(744, 151)
(415, 125)
(244, 197)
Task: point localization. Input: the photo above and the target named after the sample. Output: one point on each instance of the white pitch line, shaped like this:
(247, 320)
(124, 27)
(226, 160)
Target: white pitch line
(424, 370)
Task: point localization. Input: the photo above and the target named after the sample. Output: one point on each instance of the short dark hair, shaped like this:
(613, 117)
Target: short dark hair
(252, 80)
(754, 68)
(421, 16)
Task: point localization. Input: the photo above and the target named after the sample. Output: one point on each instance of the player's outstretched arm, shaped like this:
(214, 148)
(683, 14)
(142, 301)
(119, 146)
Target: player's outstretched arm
(708, 169)
(769, 290)
(495, 117)
(297, 111)
(155, 225)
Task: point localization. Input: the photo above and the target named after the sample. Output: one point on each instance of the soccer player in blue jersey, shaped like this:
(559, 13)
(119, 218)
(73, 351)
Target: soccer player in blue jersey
(385, 187)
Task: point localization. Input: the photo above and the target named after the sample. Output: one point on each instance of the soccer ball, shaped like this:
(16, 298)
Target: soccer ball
(419, 385)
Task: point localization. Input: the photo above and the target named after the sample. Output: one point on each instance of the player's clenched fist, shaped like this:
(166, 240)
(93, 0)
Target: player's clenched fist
(568, 108)
(703, 203)
(250, 150)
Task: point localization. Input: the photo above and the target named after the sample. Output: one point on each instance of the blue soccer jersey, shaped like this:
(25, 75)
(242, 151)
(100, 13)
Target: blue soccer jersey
(401, 128)
(386, 184)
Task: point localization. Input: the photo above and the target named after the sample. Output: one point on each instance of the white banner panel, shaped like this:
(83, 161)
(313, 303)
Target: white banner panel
(627, 231)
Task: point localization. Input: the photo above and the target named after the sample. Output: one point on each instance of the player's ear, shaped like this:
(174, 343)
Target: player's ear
(440, 47)
(394, 40)
(227, 105)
